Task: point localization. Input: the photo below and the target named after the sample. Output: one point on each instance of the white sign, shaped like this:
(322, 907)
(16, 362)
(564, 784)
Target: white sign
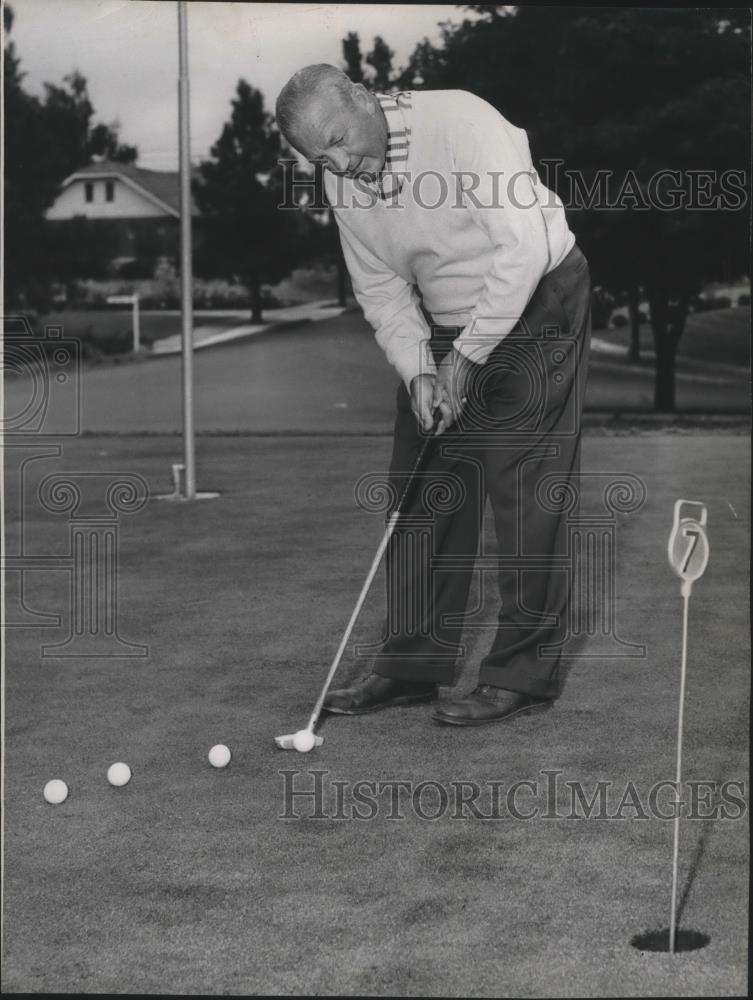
(688, 547)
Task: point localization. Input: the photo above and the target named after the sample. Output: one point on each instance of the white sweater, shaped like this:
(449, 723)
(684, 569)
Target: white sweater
(473, 243)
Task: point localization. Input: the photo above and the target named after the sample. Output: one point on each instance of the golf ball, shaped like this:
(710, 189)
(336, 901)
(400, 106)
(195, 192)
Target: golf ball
(55, 791)
(303, 740)
(219, 756)
(118, 774)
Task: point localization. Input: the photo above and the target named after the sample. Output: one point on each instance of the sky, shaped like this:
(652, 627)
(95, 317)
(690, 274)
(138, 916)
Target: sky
(128, 51)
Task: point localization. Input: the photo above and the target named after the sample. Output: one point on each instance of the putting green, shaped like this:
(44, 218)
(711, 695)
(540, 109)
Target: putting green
(191, 880)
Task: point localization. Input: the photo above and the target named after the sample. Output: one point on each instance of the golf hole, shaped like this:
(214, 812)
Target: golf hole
(659, 940)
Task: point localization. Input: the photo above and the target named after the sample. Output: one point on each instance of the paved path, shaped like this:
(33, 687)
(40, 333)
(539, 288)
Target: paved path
(208, 335)
(324, 377)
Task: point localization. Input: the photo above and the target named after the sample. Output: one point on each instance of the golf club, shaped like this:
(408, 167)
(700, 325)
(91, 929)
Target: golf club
(688, 551)
(306, 739)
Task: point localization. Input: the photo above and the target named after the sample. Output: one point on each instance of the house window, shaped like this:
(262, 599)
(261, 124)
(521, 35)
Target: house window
(110, 190)
(89, 191)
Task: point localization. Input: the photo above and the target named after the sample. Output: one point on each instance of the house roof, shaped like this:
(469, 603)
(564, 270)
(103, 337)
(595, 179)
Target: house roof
(160, 185)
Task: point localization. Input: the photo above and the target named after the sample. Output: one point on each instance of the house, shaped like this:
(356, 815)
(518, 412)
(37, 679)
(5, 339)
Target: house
(136, 210)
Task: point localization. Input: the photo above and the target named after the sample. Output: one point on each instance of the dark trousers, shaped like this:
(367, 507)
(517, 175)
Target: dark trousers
(517, 443)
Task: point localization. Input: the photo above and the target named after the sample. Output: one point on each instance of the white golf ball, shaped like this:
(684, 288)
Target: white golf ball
(55, 791)
(118, 774)
(219, 756)
(303, 740)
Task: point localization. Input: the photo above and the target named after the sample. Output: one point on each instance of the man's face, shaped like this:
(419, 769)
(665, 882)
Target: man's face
(349, 139)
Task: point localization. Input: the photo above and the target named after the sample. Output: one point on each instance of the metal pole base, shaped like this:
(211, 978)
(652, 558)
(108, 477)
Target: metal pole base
(179, 491)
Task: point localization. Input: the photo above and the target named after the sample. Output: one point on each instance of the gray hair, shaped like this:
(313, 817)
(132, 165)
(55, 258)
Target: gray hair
(305, 84)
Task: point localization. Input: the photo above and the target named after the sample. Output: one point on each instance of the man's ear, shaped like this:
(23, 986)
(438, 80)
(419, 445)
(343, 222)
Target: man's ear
(363, 98)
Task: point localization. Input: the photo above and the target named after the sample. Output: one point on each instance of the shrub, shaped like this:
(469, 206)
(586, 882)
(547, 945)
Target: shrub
(268, 299)
(216, 293)
(95, 346)
(93, 294)
(619, 320)
(163, 292)
(90, 349)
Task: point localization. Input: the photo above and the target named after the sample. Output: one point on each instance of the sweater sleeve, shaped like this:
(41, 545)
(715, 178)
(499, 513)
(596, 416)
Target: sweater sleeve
(391, 305)
(498, 180)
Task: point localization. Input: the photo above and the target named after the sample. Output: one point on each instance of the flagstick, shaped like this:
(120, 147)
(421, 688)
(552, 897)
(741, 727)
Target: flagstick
(186, 263)
(678, 772)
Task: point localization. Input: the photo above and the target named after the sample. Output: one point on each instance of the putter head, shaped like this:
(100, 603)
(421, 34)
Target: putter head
(286, 742)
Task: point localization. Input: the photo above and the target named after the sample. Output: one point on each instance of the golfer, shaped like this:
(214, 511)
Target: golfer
(464, 265)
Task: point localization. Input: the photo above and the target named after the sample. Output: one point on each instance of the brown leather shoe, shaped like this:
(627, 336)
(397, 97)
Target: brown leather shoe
(488, 704)
(377, 692)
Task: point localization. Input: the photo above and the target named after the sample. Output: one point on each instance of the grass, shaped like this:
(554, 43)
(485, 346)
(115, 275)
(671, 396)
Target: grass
(721, 336)
(328, 376)
(116, 324)
(189, 881)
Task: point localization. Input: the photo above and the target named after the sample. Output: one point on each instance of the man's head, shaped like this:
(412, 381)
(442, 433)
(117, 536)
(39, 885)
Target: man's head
(328, 118)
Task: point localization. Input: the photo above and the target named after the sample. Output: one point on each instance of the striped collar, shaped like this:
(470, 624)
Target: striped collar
(397, 111)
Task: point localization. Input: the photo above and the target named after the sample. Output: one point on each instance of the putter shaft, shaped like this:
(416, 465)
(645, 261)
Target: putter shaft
(392, 523)
(353, 618)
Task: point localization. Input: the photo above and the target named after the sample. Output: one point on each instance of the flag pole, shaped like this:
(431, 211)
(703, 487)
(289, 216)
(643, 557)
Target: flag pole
(186, 269)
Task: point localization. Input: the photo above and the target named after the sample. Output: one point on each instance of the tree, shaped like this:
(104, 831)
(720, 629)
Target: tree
(103, 142)
(380, 59)
(680, 81)
(79, 248)
(28, 185)
(72, 137)
(238, 191)
(621, 94)
(425, 69)
(381, 77)
(45, 141)
(352, 57)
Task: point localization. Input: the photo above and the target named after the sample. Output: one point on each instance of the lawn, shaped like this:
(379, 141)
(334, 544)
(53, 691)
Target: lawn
(720, 335)
(327, 376)
(112, 329)
(191, 880)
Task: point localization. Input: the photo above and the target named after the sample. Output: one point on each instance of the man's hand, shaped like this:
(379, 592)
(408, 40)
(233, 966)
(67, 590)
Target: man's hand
(452, 387)
(423, 400)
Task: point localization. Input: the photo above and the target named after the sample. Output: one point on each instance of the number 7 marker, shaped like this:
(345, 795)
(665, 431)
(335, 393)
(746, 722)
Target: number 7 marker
(688, 551)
